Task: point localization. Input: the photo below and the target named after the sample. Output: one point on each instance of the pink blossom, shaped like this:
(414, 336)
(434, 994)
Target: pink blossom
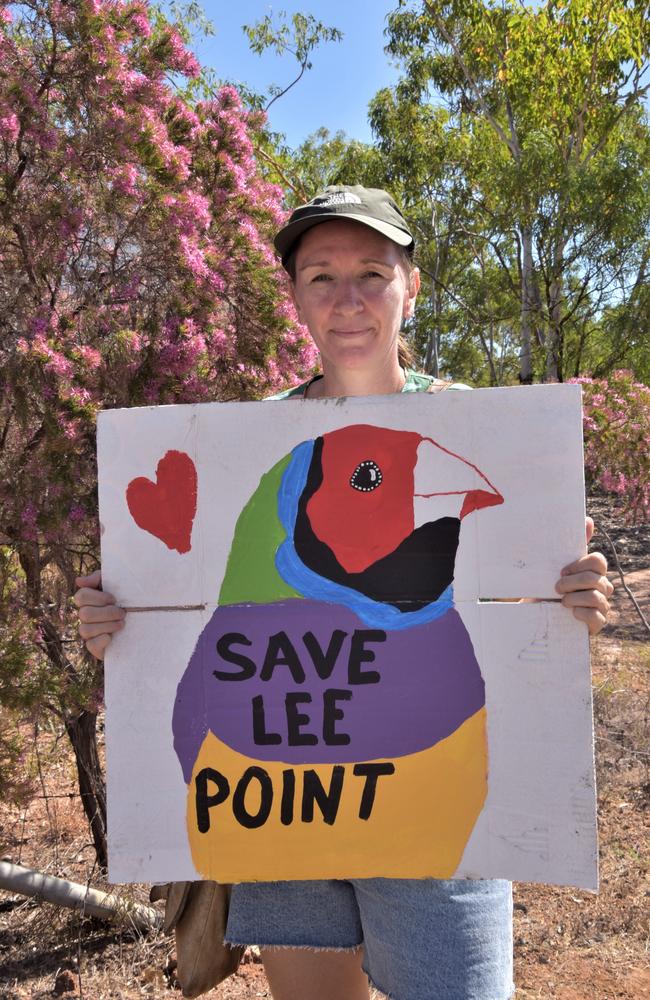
(76, 512)
(29, 513)
(141, 23)
(9, 127)
(229, 95)
(186, 116)
(71, 428)
(79, 396)
(152, 391)
(180, 58)
(194, 257)
(199, 207)
(167, 242)
(125, 179)
(28, 518)
(46, 138)
(70, 224)
(308, 355)
(219, 344)
(132, 80)
(59, 365)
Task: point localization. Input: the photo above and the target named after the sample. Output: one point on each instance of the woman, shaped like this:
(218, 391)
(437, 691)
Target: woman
(349, 255)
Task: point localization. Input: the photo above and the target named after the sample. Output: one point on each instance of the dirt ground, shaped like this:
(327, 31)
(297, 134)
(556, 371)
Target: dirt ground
(569, 944)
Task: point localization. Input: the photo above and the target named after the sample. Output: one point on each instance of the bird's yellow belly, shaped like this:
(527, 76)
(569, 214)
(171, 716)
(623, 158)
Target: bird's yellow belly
(267, 824)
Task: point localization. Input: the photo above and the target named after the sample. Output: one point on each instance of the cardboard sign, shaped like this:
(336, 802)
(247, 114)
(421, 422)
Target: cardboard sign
(327, 671)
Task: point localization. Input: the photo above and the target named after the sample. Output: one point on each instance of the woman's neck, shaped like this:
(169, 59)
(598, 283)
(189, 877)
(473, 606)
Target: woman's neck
(357, 383)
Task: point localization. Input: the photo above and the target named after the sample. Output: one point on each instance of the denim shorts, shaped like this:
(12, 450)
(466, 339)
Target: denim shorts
(422, 939)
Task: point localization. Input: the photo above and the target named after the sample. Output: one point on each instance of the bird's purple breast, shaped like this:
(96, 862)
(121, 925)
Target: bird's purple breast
(307, 682)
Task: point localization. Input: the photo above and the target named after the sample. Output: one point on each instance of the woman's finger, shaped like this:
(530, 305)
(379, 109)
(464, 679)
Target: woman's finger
(587, 580)
(98, 598)
(587, 599)
(92, 580)
(110, 613)
(592, 618)
(92, 630)
(97, 647)
(594, 562)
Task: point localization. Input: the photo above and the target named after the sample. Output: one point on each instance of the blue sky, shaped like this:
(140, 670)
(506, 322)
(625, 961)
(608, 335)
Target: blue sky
(345, 75)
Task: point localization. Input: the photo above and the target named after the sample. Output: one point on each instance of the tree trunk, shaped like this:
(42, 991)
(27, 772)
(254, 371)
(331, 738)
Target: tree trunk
(82, 731)
(555, 335)
(80, 724)
(554, 332)
(527, 306)
(432, 359)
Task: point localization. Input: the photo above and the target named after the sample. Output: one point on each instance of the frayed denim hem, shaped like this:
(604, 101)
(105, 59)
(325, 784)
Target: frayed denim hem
(375, 986)
(292, 947)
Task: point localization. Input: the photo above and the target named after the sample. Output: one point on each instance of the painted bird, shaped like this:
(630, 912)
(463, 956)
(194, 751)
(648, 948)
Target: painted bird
(336, 643)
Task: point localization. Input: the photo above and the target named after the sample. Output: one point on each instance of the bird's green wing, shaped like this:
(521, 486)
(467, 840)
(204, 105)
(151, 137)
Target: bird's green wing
(250, 574)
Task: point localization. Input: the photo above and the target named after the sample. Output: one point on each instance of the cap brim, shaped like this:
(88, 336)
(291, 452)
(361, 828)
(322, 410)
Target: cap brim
(286, 238)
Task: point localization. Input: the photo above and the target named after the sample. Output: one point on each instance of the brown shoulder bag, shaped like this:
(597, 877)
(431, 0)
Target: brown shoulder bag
(197, 912)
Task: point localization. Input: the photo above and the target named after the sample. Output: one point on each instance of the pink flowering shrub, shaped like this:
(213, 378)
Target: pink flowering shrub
(617, 440)
(23, 682)
(136, 267)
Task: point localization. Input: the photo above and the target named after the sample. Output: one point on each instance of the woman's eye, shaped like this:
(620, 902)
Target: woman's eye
(321, 277)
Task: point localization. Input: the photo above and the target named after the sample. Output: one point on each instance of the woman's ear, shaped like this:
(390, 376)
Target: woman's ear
(412, 292)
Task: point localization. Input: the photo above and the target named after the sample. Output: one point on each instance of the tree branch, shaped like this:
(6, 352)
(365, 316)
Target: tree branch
(303, 67)
(300, 191)
(512, 143)
(646, 623)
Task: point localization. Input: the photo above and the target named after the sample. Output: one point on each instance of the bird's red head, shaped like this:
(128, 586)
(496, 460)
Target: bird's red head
(364, 507)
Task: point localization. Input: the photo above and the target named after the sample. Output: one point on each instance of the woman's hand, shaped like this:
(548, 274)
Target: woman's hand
(99, 615)
(586, 589)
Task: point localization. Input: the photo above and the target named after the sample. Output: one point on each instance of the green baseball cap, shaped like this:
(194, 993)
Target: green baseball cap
(370, 206)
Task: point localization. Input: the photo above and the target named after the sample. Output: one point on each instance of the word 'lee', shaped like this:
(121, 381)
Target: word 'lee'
(281, 653)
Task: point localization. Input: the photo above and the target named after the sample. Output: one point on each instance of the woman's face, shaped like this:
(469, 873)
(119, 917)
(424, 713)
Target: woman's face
(352, 289)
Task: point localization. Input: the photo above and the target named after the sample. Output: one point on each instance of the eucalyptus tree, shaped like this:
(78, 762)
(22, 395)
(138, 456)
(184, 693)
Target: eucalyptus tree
(547, 103)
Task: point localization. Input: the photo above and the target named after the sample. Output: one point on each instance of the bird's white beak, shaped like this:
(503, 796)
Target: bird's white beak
(447, 485)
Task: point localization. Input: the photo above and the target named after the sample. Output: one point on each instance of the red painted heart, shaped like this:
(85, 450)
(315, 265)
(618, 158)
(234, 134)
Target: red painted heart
(167, 507)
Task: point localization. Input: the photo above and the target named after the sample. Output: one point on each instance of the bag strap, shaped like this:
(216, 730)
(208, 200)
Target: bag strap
(439, 385)
(176, 896)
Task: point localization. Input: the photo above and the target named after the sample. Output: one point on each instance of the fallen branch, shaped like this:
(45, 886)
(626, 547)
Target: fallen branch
(92, 902)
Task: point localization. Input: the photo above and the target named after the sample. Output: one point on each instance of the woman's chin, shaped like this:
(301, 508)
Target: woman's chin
(353, 356)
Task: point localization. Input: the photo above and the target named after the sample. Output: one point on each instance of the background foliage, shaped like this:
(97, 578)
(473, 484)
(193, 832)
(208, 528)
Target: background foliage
(138, 197)
(135, 268)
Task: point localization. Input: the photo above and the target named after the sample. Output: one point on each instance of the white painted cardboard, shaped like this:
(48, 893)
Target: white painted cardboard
(538, 822)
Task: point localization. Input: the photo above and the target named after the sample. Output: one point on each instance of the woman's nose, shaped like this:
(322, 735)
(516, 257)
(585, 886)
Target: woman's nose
(348, 299)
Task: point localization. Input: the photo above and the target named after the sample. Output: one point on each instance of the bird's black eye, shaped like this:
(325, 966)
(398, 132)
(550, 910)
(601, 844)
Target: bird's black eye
(366, 477)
